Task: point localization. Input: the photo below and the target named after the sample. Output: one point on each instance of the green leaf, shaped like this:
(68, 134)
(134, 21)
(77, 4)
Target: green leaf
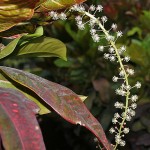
(9, 48)
(138, 54)
(4, 83)
(39, 32)
(145, 19)
(62, 64)
(135, 30)
(43, 47)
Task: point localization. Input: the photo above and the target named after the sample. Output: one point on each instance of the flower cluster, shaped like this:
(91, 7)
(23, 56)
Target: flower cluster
(56, 16)
(114, 54)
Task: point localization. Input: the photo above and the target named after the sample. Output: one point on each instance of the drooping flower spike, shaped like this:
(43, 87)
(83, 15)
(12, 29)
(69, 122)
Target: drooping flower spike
(114, 54)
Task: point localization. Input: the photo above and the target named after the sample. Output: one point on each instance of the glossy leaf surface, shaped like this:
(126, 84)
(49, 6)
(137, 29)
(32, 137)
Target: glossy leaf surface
(64, 101)
(47, 5)
(43, 47)
(19, 128)
(9, 48)
(4, 83)
(15, 11)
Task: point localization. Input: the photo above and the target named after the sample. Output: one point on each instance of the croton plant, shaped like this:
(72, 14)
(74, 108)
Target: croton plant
(22, 23)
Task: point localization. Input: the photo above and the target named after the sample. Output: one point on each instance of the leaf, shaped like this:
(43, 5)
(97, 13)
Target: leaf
(9, 48)
(63, 64)
(15, 11)
(6, 84)
(47, 5)
(145, 20)
(21, 29)
(135, 30)
(19, 128)
(64, 101)
(43, 47)
(138, 54)
(20, 41)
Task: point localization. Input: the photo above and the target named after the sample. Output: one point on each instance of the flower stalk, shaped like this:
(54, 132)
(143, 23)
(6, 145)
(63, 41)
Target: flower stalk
(97, 25)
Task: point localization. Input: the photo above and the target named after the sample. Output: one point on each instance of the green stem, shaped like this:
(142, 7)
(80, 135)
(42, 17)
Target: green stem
(121, 66)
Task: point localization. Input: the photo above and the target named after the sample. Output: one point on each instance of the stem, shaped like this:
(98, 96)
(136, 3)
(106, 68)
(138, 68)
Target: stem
(121, 66)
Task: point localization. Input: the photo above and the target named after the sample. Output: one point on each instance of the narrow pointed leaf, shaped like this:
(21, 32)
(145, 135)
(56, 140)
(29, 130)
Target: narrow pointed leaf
(9, 48)
(4, 83)
(19, 128)
(64, 101)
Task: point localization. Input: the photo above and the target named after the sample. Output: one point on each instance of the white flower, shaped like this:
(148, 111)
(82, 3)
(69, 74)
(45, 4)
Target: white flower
(122, 73)
(78, 18)
(75, 7)
(112, 130)
(62, 16)
(82, 8)
(114, 26)
(119, 105)
(119, 33)
(92, 31)
(99, 8)
(122, 143)
(111, 50)
(130, 71)
(128, 118)
(130, 112)
(120, 92)
(112, 58)
(51, 13)
(96, 37)
(115, 79)
(55, 16)
(114, 121)
(126, 130)
(134, 98)
(106, 56)
(118, 138)
(92, 22)
(127, 58)
(101, 48)
(134, 105)
(81, 26)
(116, 116)
(104, 19)
(123, 48)
(128, 87)
(110, 38)
(92, 8)
(138, 85)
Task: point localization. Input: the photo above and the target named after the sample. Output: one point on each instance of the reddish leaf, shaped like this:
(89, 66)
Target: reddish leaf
(15, 11)
(65, 102)
(19, 128)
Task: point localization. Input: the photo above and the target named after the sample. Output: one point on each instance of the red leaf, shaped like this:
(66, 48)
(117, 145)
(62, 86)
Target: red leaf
(64, 101)
(19, 128)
